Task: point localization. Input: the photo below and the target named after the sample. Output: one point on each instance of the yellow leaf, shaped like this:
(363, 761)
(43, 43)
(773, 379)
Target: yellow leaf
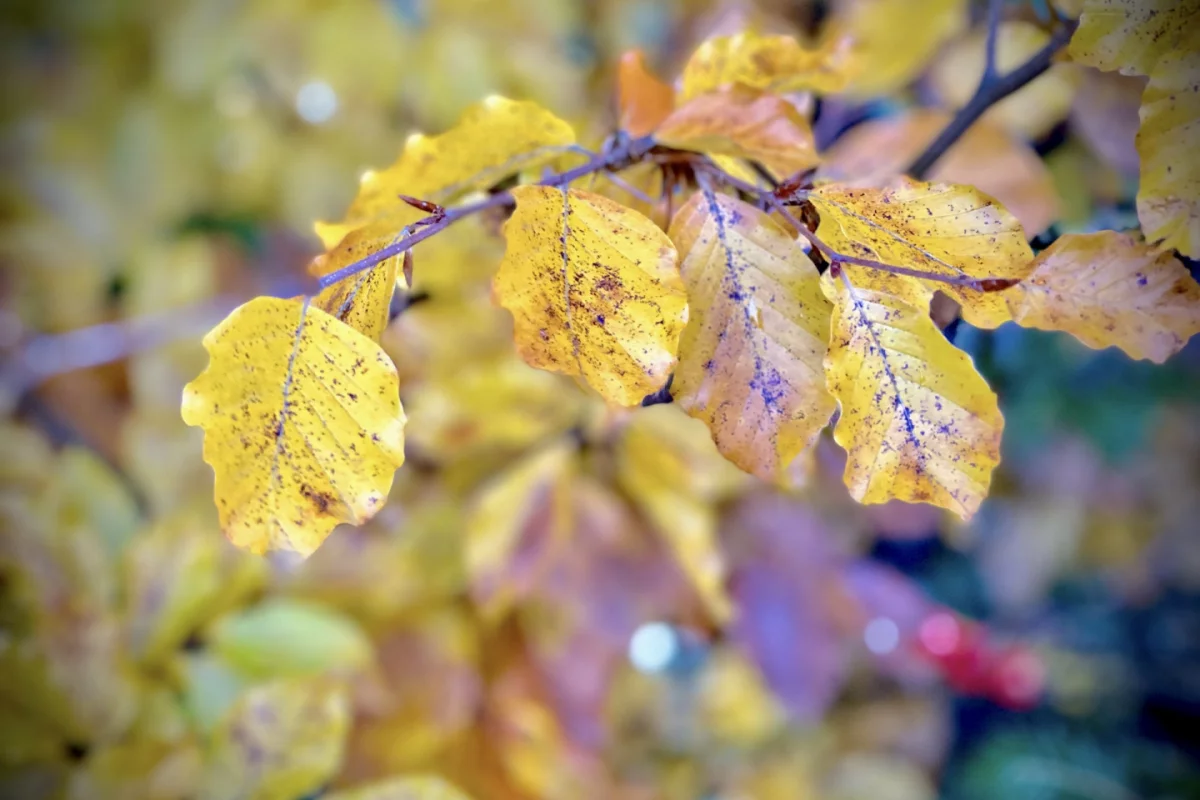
(409, 788)
(138, 770)
(1108, 289)
(527, 506)
(1029, 112)
(280, 741)
(363, 301)
(492, 140)
(986, 157)
(750, 361)
(743, 124)
(943, 228)
(642, 99)
(918, 423)
(1168, 200)
(1132, 35)
(302, 421)
(772, 63)
(594, 291)
(667, 464)
(893, 41)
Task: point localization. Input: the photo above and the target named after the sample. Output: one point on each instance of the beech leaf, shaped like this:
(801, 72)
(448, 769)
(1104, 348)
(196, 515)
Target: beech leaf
(643, 101)
(743, 124)
(918, 423)
(772, 63)
(750, 361)
(1109, 289)
(1131, 35)
(893, 42)
(302, 420)
(943, 228)
(594, 291)
(363, 301)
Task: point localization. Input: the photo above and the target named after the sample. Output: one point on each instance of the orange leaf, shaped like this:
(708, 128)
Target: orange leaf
(744, 124)
(643, 100)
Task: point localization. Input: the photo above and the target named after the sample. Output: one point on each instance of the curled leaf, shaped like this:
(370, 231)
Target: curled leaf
(943, 228)
(743, 124)
(750, 361)
(918, 423)
(772, 63)
(1109, 289)
(594, 291)
(362, 301)
(302, 421)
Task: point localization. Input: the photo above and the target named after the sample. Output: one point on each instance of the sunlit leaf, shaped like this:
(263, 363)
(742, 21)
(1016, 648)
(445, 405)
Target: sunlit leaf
(943, 228)
(750, 362)
(892, 44)
(1168, 198)
(594, 291)
(1108, 288)
(986, 157)
(303, 425)
(280, 741)
(918, 423)
(743, 124)
(411, 788)
(667, 464)
(362, 301)
(771, 63)
(1031, 111)
(1131, 35)
(643, 101)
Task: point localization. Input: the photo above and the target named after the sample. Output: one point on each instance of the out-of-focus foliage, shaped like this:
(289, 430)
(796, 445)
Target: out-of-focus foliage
(560, 599)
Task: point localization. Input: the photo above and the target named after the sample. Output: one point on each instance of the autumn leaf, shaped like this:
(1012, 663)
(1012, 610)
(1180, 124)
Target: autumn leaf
(1108, 288)
(407, 788)
(1031, 111)
(986, 157)
(943, 228)
(892, 44)
(750, 361)
(744, 124)
(1131, 35)
(594, 291)
(667, 464)
(302, 420)
(918, 423)
(363, 301)
(775, 64)
(1168, 199)
(281, 740)
(643, 101)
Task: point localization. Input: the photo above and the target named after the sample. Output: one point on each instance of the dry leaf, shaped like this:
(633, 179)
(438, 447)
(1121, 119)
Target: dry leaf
(594, 291)
(918, 423)
(1107, 289)
(643, 101)
(772, 63)
(943, 228)
(302, 420)
(1132, 35)
(750, 361)
(743, 124)
(363, 301)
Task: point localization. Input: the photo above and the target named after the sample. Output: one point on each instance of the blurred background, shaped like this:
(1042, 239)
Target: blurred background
(680, 631)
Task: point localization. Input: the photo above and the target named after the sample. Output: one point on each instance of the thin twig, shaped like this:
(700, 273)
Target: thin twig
(993, 33)
(992, 89)
(621, 154)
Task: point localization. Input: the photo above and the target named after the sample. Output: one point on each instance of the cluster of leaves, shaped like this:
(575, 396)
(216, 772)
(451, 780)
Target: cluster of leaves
(771, 299)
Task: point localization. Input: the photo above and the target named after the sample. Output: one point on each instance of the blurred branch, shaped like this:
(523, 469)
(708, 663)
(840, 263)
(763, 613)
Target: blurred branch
(992, 88)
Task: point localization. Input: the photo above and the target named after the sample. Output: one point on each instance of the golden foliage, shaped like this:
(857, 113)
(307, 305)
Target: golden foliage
(1132, 35)
(918, 423)
(643, 100)
(772, 63)
(302, 420)
(892, 44)
(750, 361)
(594, 291)
(1108, 288)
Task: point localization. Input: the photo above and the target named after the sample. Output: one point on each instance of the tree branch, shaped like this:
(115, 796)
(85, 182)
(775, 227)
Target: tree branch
(621, 154)
(992, 89)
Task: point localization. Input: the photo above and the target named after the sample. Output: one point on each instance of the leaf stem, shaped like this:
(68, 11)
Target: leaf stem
(992, 88)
